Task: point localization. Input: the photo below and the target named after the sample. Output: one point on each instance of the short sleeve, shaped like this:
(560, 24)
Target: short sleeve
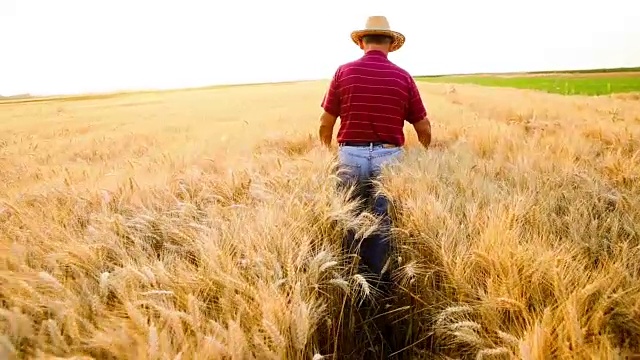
(415, 108)
(331, 100)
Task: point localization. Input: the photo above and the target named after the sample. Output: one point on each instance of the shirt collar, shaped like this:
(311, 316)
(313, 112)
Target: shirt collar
(375, 53)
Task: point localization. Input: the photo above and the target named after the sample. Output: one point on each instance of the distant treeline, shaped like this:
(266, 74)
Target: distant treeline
(93, 96)
(19, 96)
(588, 71)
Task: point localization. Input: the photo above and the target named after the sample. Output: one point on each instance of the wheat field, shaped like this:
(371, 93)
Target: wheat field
(203, 224)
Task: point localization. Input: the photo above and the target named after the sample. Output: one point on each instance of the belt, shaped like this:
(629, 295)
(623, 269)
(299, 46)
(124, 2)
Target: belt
(367, 144)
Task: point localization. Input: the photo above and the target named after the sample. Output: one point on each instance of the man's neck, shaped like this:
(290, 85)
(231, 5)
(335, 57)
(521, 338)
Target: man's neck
(376, 47)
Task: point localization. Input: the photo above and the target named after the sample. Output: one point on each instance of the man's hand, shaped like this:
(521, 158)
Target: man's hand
(327, 122)
(423, 130)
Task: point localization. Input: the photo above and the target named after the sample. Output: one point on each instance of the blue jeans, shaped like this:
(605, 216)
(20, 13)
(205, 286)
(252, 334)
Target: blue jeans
(357, 167)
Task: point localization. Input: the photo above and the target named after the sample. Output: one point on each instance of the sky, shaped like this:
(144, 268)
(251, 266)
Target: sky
(79, 46)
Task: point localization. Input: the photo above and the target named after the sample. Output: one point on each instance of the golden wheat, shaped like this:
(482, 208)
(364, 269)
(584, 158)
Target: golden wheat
(204, 224)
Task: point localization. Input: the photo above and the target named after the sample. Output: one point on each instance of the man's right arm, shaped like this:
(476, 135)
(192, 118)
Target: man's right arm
(417, 115)
(331, 106)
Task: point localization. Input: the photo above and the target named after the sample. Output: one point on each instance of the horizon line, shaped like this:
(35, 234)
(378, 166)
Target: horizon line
(27, 97)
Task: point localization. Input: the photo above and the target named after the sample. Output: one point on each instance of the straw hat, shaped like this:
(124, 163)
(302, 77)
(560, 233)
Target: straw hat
(378, 25)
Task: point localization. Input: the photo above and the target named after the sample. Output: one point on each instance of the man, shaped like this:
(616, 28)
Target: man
(373, 97)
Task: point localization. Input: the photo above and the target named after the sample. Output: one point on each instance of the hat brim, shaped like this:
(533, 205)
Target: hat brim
(398, 38)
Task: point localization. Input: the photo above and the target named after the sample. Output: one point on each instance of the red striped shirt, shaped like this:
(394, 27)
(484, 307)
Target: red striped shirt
(373, 97)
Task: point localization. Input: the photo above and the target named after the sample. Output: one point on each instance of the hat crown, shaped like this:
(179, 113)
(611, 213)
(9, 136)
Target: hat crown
(377, 23)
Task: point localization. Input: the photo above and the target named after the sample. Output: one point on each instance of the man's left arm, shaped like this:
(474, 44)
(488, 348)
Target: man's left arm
(417, 115)
(331, 105)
